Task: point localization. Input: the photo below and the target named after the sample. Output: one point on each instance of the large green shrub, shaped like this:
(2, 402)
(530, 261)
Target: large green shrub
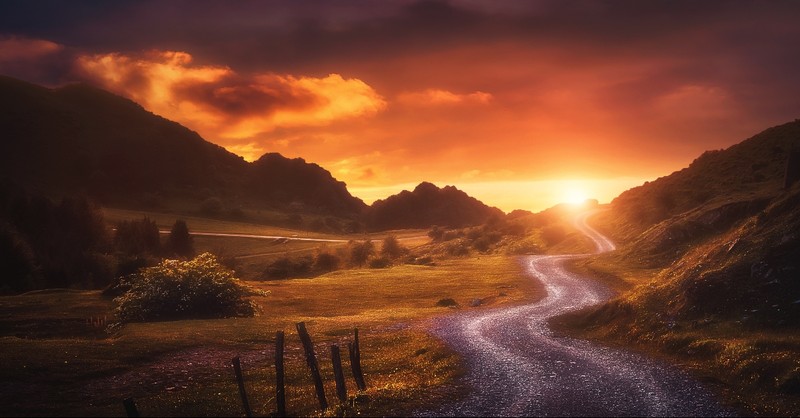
(175, 289)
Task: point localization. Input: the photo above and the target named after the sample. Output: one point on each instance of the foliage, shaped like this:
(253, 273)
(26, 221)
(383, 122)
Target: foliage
(392, 248)
(180, 243)
(325, 262)
(381, 262)
(52, 245)
(360, 252)
(285, 267)
(137, 237)
(175, 289)
(211, 206)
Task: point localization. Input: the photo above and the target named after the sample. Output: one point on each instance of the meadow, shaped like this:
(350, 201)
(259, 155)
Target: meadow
(57, 362)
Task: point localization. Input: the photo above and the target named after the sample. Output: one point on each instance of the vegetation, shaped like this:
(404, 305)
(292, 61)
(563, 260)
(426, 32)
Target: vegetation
(707, 271)
(52, 245)
(183, 367)
(179, 242)
(175, 289)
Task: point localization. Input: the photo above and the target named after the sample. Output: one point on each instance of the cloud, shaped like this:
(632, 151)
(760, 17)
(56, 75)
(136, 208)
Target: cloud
(435, 97)
(14, 49)
(223, 104)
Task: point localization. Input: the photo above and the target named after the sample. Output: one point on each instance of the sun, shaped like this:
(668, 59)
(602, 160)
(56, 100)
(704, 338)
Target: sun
(575, 196)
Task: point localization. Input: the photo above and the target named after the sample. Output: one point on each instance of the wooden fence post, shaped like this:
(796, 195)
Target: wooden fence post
(355, 362)
(311, 359)
(336, 358)
(280, 389)
(237, 369)
(130, 407)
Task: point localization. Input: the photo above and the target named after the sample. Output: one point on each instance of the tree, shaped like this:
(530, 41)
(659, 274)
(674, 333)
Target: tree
(360, 252)
(137, 237)
(180, 243)
(391, 248)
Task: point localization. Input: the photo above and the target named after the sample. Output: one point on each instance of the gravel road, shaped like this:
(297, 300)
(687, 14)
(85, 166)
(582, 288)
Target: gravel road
(517, 367)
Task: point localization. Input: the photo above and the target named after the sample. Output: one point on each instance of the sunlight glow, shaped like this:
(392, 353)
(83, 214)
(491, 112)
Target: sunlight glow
(575, 196)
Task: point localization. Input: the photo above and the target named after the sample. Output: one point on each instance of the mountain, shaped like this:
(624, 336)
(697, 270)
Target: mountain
(79, 138)
(428, 205)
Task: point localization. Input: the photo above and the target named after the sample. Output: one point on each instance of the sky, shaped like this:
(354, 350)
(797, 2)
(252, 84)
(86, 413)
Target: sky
(523, 104)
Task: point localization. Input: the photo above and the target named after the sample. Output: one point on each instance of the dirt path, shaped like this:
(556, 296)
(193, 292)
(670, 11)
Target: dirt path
(517, 367)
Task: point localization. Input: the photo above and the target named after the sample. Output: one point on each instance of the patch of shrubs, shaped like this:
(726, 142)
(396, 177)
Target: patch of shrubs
(175, 289)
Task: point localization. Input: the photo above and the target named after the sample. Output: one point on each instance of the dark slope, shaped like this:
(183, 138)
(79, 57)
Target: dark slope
(82, 139)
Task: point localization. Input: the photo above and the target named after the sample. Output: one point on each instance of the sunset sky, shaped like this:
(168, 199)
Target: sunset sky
(522, 104)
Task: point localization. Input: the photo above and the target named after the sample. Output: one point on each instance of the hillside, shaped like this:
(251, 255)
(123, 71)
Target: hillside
(750, 171)
(710, 258)
(428, 205)
(79, 138)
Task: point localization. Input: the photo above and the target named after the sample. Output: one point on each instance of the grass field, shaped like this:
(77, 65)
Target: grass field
(56, 363)
(253, 255)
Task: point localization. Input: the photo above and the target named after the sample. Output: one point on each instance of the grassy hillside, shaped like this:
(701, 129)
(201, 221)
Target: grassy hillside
(708, 271)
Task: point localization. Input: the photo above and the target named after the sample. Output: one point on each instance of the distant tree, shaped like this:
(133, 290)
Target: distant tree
(137, 237)
(325, 262)
(360, 252)
(211, 206)
(391, 248)
(16, 261)
(180, 243)
(294, 220)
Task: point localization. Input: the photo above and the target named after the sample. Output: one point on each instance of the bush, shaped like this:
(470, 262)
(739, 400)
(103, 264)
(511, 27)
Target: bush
(391, 248)
(360, 252)
(326, 262)
(285, 267)
(380, 262)
(175, 289)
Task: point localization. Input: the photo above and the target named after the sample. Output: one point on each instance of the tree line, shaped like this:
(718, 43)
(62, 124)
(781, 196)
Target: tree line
(44, 244)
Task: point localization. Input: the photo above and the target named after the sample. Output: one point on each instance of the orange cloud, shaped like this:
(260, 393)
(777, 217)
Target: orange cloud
(225, 106)
(432, 97)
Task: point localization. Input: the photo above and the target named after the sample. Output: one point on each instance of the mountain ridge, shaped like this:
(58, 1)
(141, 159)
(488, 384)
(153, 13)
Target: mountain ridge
(79, 138)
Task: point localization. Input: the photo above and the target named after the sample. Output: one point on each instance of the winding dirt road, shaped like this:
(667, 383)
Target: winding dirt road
(517, 367)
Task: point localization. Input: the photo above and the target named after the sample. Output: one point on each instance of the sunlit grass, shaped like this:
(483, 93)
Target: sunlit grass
(405, 367)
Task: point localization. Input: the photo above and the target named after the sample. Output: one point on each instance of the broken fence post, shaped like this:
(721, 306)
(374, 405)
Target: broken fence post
(355, 362)
(280, 388)
(237, 368)
(336, 358)
(311, 359)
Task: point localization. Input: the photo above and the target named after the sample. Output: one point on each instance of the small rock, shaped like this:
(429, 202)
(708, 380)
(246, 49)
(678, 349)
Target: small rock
(475, 303)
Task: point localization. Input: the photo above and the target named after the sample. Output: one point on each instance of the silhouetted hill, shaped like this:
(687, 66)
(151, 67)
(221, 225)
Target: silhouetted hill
(711, 254)
(751, 171)
(81, 138)
(715, 225)
(294, 180)
(429, 205)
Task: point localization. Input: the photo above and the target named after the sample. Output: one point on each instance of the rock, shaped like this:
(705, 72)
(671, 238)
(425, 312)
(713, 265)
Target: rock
(475, 303)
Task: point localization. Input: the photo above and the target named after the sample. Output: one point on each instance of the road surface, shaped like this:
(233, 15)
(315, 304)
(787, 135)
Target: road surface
(517, 367)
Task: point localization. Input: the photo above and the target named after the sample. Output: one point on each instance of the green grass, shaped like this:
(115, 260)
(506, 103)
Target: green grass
(183, 367)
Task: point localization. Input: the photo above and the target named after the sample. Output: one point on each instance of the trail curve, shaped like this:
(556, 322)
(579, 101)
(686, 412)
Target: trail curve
(517, 367)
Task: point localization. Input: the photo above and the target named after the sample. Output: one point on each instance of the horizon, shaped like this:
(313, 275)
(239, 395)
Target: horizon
(521, 104)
